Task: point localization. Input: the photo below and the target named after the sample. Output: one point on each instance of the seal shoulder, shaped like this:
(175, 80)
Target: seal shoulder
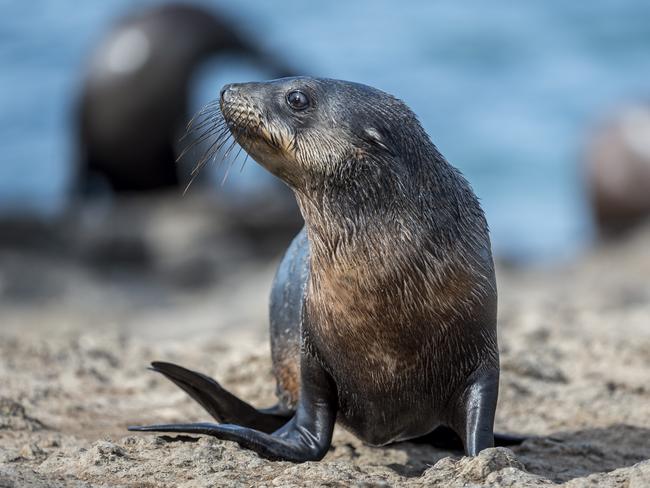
(286, 315)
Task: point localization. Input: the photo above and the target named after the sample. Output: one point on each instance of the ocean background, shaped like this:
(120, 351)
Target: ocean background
(508, 91)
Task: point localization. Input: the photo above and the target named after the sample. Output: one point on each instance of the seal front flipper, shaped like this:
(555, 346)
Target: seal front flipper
(475, 409)
(306, 437)
(219, 402)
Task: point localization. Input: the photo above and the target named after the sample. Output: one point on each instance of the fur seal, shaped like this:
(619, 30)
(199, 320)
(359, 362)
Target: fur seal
(134, 98)
(383, 309)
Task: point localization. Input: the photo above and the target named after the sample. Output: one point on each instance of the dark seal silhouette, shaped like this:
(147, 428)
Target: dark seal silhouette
(383, 310)
(134, 99)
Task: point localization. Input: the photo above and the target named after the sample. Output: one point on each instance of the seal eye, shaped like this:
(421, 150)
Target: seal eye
(297, 100)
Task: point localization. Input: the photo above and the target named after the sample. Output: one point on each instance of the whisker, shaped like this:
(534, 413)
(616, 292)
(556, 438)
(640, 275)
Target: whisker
(212, 150)
(209, 154)
(211, 121)
(225, 176)
(222, 131)
(202, 138)
(230, 148)
(208, 118)
(207, 107)
(189, 184)
(232, 161)
(237, 156)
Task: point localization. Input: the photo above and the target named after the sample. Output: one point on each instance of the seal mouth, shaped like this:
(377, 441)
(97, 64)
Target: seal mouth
(248, 125)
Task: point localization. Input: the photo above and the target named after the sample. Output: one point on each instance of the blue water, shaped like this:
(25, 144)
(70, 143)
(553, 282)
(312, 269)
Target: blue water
(507, 90)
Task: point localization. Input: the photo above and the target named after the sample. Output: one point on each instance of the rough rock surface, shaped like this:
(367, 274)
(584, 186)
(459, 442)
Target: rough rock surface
(575, 344)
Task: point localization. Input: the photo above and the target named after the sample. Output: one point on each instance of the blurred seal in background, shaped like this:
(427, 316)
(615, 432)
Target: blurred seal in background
(134, 101)
(617, 166)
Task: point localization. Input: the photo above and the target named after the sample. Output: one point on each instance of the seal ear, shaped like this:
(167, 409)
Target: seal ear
(374, 137)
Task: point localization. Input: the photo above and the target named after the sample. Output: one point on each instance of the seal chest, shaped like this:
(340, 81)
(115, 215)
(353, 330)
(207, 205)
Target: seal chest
(383, 309)
(394, 325)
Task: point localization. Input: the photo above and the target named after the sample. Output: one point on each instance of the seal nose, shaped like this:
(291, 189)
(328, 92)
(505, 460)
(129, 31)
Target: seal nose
(228, 92)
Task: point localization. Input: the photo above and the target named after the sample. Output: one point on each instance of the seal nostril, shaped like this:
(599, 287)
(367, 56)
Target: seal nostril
(227, 92)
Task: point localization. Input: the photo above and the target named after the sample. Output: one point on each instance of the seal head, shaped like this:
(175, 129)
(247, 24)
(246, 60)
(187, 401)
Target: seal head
(306, 130)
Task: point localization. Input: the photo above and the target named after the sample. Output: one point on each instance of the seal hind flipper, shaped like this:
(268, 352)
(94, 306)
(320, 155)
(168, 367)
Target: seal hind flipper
(306, 437)
(219, 402)
(297, 446)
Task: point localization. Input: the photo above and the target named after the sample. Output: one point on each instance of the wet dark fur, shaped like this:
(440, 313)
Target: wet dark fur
(383, 310)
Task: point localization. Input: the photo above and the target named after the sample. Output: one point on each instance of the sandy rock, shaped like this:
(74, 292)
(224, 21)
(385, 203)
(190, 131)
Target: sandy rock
(482, 470)
(637, 476)
(14, 417)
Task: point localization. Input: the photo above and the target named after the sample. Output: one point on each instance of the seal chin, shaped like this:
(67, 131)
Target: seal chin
(267, 155)
(265, 141)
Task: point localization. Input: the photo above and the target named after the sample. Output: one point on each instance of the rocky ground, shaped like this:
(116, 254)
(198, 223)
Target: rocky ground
(77, 332)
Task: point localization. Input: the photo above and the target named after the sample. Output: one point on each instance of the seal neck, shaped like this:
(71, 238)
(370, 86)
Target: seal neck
(373, 215)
